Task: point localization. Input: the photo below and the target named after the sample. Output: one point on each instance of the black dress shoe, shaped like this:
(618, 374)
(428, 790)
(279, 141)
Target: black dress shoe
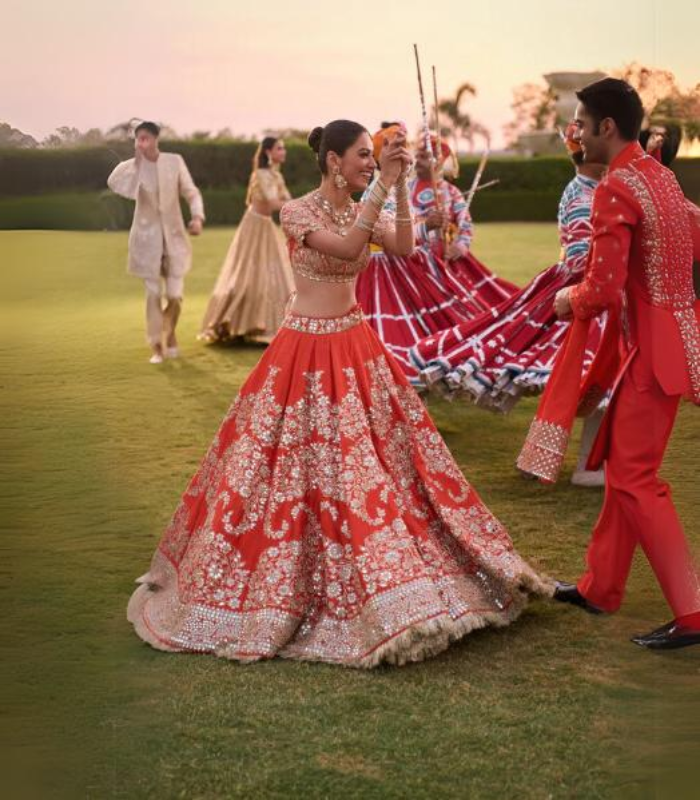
(655, 634)
(669, 637)
(568, 593)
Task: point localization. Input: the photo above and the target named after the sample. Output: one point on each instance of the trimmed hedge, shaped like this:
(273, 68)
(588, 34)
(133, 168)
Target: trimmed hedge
(225, 165)
(65, 188)
(103, 211)
(214, 165)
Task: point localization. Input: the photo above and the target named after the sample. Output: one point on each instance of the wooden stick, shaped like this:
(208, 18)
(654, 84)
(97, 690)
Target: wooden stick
(484, 185)
(424, 112)
(438, 135)
(438, 149)
(477, 177)
(426, 135)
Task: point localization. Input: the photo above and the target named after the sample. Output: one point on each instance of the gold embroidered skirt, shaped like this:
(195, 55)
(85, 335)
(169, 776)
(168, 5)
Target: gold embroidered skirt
(328, 521)
(254, 284)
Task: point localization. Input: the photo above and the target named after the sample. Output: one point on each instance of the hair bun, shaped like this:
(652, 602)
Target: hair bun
(315, 139)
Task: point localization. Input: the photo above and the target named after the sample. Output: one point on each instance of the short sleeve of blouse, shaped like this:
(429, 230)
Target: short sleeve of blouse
(298, 220)
(265, 184)
(384, 223)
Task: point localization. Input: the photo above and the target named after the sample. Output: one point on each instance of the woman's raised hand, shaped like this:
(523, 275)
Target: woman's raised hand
(395, 159)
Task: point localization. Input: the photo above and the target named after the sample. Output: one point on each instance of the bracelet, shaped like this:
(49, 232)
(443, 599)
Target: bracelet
(380, 185)
(403, 221)
(377, 200)
(363, 225)
(378, 194)
(402, 189)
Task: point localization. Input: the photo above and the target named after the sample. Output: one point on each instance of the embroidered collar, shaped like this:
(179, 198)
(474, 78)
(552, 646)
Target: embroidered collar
(631, 152)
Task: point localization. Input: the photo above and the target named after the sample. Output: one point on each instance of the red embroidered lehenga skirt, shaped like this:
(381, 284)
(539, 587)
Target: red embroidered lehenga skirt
(504, 354)
(328, 521)
(406, 299)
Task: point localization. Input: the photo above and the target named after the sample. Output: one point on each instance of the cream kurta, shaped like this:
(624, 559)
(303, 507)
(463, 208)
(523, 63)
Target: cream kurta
(158, 228)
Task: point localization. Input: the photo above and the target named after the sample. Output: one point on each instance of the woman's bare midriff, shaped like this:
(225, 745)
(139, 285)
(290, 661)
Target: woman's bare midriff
(321, 298)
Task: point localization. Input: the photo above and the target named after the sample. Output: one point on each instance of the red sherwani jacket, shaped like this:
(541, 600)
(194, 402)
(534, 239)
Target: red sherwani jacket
(645, 238)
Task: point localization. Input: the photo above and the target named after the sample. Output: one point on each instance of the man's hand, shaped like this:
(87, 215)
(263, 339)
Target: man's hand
(195, 226)
(435, 220)
(454, 251)
(562, 306)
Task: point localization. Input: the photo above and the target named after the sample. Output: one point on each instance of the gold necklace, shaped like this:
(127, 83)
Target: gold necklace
(341, 219)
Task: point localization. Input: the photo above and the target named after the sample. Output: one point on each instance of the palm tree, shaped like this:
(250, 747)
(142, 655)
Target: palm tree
(460, 124)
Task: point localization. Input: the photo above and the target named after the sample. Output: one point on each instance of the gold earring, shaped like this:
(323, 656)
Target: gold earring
(338, 179)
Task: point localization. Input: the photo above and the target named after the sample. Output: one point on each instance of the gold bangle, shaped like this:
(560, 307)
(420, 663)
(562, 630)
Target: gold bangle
(379, 184)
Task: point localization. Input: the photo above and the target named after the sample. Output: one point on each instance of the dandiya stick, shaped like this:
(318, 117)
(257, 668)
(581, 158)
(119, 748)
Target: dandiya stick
(477, 178)
(426, 134)
(484, 185)
(438, 134)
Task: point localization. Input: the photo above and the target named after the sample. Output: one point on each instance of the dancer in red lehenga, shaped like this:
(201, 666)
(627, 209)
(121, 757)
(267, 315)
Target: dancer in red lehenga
(328, 521)
(500, 356)
(445, 231)
(406, 298)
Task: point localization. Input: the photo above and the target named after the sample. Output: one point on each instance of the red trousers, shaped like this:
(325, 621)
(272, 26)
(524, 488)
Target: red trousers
(638, 508)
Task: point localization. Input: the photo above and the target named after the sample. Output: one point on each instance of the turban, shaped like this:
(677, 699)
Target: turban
(386, 135)
(570, 143)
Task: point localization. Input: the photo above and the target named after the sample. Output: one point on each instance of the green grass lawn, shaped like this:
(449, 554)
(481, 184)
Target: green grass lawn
(97, 447)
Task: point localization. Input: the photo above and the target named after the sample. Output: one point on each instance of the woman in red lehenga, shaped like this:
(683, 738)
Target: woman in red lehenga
(406, 298)
(328, 521)
(444, 231)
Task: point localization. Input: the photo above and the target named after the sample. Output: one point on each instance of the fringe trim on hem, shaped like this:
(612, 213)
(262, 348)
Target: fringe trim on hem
(418, 642)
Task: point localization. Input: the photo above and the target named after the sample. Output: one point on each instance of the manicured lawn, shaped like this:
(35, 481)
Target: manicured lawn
(97, 447)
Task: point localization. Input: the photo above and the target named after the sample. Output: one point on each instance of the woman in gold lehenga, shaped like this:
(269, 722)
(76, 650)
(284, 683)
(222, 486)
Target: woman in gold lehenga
(256, 280)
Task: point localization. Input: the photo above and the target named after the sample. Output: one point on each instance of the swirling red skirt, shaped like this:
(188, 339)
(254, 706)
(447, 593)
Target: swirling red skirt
(328, 521)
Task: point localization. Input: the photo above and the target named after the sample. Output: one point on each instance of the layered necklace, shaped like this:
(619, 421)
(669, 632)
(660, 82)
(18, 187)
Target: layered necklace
(341, 218)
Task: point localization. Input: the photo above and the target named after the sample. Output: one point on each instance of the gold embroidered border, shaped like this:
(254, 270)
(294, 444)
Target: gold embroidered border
(320, 325)
(544, 450)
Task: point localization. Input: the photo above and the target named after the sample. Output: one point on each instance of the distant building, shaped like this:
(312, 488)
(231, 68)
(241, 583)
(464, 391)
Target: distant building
(564, 85)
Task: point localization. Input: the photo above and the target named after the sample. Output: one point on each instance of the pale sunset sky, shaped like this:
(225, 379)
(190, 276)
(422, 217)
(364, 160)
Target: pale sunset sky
(248, 65)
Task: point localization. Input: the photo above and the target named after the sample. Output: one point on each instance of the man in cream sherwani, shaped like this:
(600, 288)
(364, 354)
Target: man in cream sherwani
(159, 251)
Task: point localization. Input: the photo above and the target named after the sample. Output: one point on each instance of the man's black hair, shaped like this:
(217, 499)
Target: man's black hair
(615, 99)
(149, 127)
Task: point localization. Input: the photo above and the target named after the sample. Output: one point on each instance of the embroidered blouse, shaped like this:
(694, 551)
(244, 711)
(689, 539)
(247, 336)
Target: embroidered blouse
(303, 216)
(266, 186)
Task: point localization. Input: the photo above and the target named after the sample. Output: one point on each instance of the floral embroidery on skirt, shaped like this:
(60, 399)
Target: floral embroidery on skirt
(328, 521)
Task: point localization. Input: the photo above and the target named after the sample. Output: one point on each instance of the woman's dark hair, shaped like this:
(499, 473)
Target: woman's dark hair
(616, 99)
(149, 127)
(262, 156)
(336, 137)
(671, 143)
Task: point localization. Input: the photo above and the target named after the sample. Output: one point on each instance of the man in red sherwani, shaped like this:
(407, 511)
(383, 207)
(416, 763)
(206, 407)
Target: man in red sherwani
(645, 239)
